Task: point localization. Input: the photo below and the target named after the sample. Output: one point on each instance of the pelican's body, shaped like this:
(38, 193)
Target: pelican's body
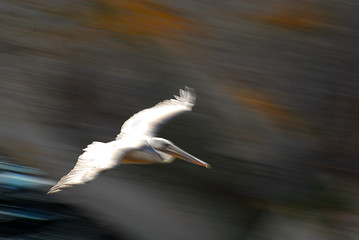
(136, 144)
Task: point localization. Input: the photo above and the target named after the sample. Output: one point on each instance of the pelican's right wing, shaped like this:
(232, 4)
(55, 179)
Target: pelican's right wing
(147, 121)
(97, 157)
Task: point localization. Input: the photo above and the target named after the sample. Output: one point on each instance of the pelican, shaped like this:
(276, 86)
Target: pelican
(136, 143)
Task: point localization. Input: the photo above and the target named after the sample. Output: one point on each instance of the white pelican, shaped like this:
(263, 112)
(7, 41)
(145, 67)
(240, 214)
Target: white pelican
(135, 144)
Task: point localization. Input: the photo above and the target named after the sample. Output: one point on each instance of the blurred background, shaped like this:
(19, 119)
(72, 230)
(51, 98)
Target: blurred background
(276, 117)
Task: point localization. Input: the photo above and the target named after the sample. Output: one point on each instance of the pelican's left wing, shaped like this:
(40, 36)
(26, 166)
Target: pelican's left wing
(147, 121)
(97, 157)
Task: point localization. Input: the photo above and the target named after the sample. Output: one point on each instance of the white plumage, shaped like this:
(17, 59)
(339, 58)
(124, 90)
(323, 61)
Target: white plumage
(147, 121)
(135, 144)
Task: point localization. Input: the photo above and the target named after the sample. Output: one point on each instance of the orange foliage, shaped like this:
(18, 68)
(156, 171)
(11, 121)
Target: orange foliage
(280, 116)
(136, 17)
(296, 16)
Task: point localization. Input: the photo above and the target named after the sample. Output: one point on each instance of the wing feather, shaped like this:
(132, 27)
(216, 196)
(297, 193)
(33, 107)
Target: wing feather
(97, 157)
(147, 121)
(100, 156)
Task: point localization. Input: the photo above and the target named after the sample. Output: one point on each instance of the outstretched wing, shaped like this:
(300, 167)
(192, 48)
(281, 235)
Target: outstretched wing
(97, 157)
(147, 122)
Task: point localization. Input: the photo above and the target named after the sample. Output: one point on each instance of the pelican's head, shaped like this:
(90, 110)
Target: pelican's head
(165, 146)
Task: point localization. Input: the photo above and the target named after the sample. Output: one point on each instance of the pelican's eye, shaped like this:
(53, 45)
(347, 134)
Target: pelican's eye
(160, 143)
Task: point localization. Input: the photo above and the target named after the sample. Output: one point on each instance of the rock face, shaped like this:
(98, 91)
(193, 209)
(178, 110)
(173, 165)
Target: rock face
(276, 112)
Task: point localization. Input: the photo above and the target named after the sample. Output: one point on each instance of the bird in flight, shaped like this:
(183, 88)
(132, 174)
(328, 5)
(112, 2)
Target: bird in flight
(136, 143)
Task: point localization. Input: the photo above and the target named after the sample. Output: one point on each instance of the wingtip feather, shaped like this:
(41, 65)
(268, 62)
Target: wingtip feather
(187, 97)
(54, 190)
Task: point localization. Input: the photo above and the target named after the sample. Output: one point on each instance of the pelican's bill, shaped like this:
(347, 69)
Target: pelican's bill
(181, 154)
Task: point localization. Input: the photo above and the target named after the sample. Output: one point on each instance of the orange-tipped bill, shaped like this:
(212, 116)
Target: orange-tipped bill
(179, 153)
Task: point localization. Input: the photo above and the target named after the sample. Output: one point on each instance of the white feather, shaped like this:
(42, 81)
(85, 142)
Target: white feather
(97, 157)
(147, 121)
(134, 133)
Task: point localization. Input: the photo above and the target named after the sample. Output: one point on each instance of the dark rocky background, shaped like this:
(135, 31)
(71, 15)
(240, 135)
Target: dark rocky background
(276, 115)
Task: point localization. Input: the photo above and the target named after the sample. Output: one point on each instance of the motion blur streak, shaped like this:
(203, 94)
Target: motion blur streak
(276, 116)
